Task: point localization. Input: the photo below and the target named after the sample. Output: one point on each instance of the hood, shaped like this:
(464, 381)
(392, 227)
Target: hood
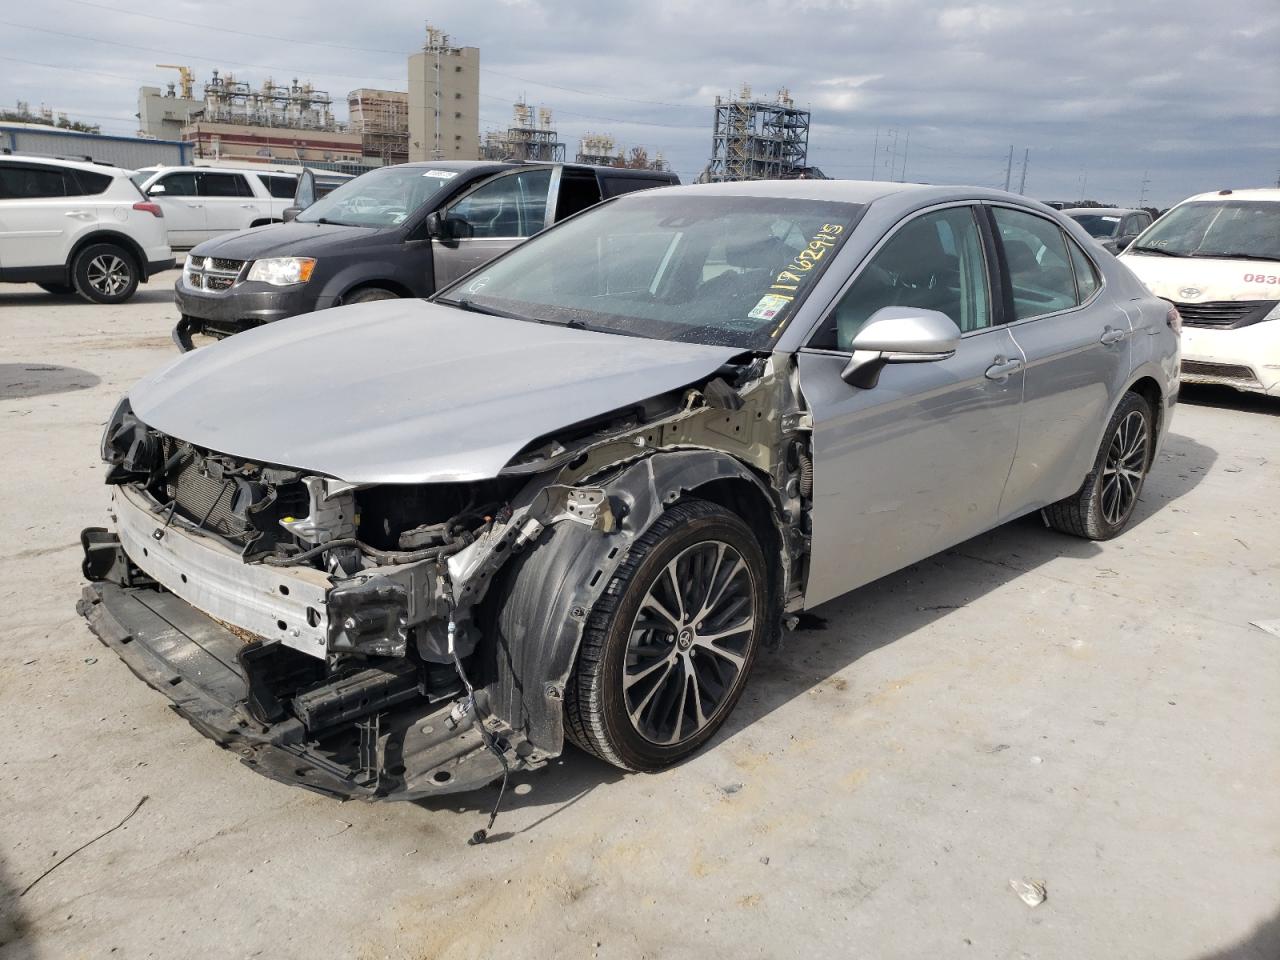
(284, 240)
(405, 391)
(1202, 279)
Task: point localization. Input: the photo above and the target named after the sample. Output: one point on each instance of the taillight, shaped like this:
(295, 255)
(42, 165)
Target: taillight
(1174, 319)
(148, 207)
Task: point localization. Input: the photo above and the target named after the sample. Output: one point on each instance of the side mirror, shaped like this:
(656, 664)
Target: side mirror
(305, 194)
(156, 190)
(290, 213)
(441, 226)
(899, 335)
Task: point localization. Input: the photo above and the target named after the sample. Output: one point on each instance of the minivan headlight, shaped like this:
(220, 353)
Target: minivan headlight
(282, 271)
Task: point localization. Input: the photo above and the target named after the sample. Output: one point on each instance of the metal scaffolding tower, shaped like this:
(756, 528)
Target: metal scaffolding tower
(524, 140)
(598, 149)
(756, 139)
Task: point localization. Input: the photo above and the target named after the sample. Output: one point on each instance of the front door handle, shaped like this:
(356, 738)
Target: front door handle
(1112, 335)
(1002, 368)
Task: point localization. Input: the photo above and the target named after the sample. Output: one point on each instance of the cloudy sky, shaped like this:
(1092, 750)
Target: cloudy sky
(1182, 93)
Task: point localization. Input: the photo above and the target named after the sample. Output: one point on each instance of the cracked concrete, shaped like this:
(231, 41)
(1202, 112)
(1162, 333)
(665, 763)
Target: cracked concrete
(1099, 717)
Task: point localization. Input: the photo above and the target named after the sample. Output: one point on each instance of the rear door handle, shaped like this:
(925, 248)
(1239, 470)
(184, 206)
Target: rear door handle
(79, 214)
(195, 206)
(1111, 335)
(249, 206)
(1002, 368)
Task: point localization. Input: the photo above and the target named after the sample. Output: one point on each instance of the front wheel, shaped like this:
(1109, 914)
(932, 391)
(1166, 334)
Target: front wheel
(105, 273)
(369, 295)
(1104, 505)
(667, 649)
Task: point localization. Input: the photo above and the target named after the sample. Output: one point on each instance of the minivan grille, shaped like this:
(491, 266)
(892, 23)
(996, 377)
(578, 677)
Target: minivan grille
(212, 273)
(1224, 314)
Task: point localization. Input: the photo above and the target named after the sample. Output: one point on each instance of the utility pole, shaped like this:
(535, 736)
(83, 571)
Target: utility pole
(905, 148)
(1022, 184)
(875, 154)
(1008, 170)
(1146, 182)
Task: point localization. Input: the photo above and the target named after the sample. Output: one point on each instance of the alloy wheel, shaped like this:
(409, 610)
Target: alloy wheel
(108, 274)
(689, 642)
(1124, 469)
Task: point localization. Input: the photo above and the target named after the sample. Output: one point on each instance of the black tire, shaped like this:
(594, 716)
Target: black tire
(369, 295)
(691, 537)
(1093, 512)
(105, 273)
(57, 289)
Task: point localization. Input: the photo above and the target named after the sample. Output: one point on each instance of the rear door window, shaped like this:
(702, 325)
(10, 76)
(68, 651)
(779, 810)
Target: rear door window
(614, 186)
(1087, 281)
(281, 187)
(1040, 269)
(224, 185)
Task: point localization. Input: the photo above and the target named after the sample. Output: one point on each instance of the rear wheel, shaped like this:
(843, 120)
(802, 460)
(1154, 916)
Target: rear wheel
(667, 649)
(1104, 505)
(105, 273)
(57, 289)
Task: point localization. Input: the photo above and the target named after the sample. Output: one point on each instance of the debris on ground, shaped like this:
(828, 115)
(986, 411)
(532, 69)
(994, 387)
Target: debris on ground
(1031, 892)
(1271, 626)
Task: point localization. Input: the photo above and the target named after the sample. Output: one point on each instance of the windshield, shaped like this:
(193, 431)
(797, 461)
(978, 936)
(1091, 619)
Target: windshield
(1097, 224)
(718, 270)
(1217, 228)
(379, 198)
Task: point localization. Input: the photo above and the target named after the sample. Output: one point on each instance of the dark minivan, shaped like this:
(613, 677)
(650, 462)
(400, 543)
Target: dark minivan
(400, 231)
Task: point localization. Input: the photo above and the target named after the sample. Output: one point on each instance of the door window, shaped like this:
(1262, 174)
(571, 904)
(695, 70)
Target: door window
(224, 185)
(514, 205)
(179, 185)
(31, 183)
(1039, 267)
(86, 183)
(1087, 281)
(282, 187)
(934, 262)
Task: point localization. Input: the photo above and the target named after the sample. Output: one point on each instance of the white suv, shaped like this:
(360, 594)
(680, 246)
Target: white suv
(202, 202)
(77, 227)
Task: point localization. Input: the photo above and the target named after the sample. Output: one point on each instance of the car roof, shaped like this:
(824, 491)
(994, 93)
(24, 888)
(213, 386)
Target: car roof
(73, 164)
(1101, 211)
(265, 169)
(1269, 194)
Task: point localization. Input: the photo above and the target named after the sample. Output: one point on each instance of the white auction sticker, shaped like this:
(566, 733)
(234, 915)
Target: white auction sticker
(441, 174)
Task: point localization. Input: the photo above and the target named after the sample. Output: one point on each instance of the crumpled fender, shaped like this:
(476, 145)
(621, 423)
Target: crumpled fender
(539, 616)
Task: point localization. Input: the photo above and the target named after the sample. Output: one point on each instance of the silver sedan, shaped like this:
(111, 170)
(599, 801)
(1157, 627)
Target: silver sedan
(574, 495)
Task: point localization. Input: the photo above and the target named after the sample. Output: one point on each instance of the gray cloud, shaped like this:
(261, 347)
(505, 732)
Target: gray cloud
(1100, 92)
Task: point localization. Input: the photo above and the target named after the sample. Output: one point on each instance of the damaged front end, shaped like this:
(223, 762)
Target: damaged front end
(344, 637)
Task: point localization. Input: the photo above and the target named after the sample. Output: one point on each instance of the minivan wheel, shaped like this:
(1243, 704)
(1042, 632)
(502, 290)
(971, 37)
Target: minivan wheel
(368, 295)
(105, 273)
(57, 289)
(668, 647)
(1105, 503)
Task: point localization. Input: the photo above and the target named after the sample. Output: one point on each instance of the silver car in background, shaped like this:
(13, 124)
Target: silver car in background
(397, 549)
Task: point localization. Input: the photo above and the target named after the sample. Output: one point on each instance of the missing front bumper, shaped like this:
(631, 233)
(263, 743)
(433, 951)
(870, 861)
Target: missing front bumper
(411, 751)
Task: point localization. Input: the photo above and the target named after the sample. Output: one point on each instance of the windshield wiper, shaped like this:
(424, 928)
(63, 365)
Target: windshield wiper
(462, 303)
(1237, 256)
(1162, 252)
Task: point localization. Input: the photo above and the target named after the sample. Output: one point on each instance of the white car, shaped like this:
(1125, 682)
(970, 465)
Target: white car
(78, 227)
(1216, 257)
(204, 202)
